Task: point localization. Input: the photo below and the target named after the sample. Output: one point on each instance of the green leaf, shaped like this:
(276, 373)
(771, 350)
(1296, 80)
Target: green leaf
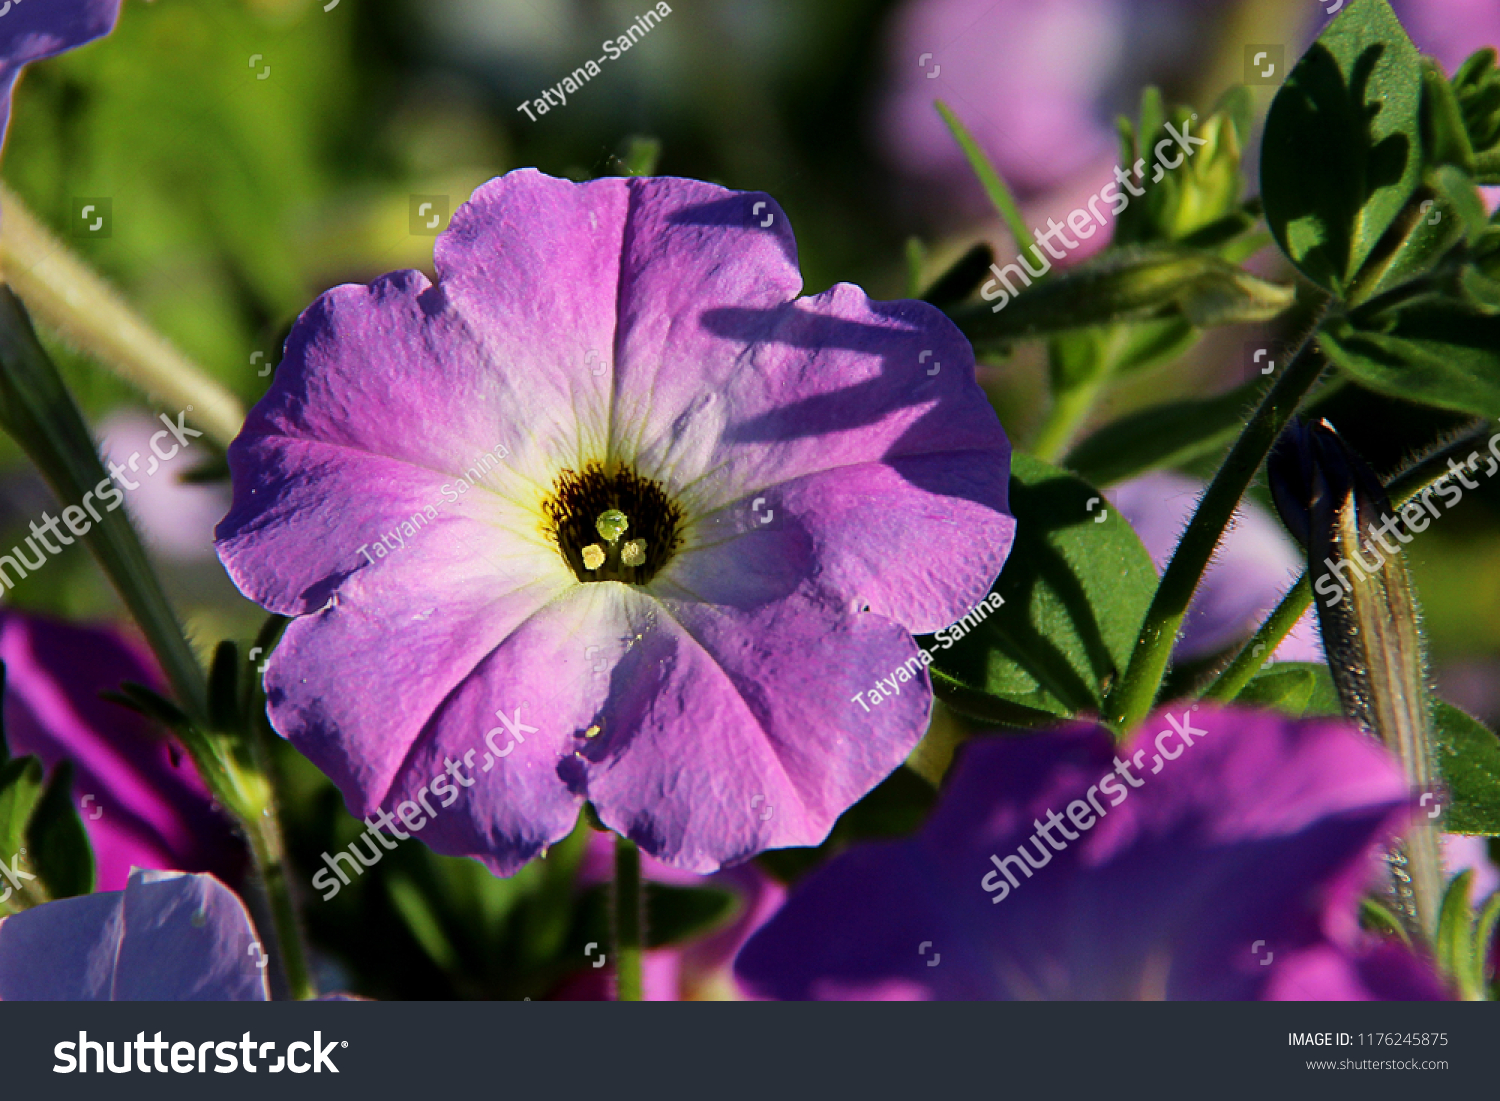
(146, 701)
(1483, 943)
(1138, 283)
(421, 919)
(1351, 107)
(1152, 343)
(1168, 435)
(38, 412)
(1452, 942)
(1436, 353)
(1076, 587)
(1445, 138)
(40, 826)
(56, 840)
(21, 786)
(1376, 916)
(224, 687)
(1288, 687)
(678, 914)
(1445, 211)
(641, 155)
(916, 259)
(1468, 754)
(1476, 86)
(674, 915)
(1297, 688)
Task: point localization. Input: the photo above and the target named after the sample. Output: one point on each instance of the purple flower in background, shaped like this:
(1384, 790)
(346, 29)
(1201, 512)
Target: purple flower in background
(1040, 86)
(1024, 77)
(1466, 852)
(168, 936)
(1219, 854)
(610, 513)
(1255, 565)
(140, 808)
(1450, 30)
(31, 30)
(176, 519)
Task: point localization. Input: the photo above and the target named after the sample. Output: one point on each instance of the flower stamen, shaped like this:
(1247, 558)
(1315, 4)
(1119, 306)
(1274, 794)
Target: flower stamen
(587, 515)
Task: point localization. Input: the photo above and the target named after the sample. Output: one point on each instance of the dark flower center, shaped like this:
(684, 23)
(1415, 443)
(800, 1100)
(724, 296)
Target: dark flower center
(612, 527)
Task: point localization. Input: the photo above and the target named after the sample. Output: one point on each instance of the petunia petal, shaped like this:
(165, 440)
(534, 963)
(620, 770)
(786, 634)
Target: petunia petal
(168, 936)
(357, 683)
(548, 680)
(140, 807)
(730, 391)
(1211, 879)
(43, 29)
(736, 730)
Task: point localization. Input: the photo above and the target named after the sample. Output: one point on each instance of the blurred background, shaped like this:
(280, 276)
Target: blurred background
(256, 152)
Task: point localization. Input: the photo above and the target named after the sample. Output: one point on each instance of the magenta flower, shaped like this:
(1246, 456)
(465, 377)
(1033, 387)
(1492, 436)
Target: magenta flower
(610, 514)
(168, 936)
(31, 30)
(1220, 854)
(142, 808)
(1255, 565)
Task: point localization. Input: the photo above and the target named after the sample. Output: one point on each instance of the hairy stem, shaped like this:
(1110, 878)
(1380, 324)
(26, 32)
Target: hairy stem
(1241, 671)
(1128, 703)
(70, 298)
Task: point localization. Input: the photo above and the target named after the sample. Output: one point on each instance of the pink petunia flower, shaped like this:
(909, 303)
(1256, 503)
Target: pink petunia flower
(1450, 30)
(1025, 78)
(142, 808)
(1220, 853)
(611, 514)
(175, 518)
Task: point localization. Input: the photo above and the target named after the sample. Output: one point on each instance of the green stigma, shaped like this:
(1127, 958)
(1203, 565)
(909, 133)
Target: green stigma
(612, 524)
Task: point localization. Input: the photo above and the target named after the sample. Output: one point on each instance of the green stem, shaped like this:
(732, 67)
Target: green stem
(1231, 682)
(1071, 405)
(269, 850)
(1133, 696)
(39, 412)
(69, 297)
(1069, 410)
(629, 921)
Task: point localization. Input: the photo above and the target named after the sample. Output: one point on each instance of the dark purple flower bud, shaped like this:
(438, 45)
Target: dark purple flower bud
(1369, 621)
